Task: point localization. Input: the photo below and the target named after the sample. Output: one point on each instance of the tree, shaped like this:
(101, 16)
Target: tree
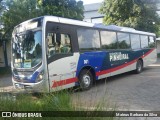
(1, 32)
(65, 8)
(21, 10)
(1, 5)
(131, 13)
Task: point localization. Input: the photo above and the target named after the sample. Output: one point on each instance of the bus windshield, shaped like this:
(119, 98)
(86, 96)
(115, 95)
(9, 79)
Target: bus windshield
(27, 49)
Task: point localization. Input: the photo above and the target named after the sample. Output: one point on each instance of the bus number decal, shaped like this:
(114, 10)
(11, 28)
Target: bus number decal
(86, 61)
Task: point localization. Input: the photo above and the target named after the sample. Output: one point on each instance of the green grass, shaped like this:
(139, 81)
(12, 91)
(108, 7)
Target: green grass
(28, 102)
(59, 101)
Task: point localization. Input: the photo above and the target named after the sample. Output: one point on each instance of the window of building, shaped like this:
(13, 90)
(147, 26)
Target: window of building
(135, 41)
(58, 43)
(123, 40)
(151, 42)
(144, 41)
(88, 39)
(109, 40)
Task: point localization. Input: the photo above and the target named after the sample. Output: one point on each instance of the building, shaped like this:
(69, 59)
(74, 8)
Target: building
(91, 13)
(158, 45)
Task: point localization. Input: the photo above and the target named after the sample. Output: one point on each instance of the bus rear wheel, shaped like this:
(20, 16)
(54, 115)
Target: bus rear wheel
(139, 67)
(85, 79)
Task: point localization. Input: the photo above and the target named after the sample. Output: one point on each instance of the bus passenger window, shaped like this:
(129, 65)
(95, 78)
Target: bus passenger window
(51, 44)
(88, 39)
(135, 41)
(123, 40)
(151, 42)
(144, 41)
(109, 40)
(65, 46)
(58, 44)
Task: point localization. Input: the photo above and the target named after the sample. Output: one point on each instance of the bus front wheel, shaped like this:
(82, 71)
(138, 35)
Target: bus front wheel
(85, 79)
(139, 66)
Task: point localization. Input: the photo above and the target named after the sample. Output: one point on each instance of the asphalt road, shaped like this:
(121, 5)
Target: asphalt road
(127, 91)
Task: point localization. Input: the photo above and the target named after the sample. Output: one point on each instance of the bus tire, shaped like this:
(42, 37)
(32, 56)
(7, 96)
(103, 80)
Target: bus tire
(139, 67)
(85, 79)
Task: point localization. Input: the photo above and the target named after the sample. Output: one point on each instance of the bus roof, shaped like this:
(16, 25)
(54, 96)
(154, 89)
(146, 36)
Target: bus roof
(124, 29)
(87, 24)
(102, 26)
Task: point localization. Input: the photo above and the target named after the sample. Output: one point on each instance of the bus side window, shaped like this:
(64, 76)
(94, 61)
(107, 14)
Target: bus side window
(58, 43)
(51, 44)
(135, 41)
(65, 46)
(123, 40)
(151, 42)
(144, 41)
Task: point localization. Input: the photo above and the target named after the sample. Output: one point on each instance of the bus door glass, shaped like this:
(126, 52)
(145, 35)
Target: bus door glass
(62, 63)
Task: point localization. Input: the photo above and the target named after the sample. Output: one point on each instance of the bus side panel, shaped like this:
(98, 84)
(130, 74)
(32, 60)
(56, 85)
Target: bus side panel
(62, 72)
(96, 60)
(150, 58)
(122, 66)
(116, 65)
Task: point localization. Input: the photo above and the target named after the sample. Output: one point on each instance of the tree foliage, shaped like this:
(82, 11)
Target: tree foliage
(64, 8)
(21, 10)
(131, 13)
(1, 32)
(1, 6)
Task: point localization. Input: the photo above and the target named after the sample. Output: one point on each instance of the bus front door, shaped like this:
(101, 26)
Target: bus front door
(62, 62)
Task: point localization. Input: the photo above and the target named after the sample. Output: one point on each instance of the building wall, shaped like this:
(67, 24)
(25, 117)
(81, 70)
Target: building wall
(91, 13)
(158, 46)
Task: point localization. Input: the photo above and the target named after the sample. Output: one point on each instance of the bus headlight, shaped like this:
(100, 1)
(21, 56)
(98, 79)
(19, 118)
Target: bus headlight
(40, 77)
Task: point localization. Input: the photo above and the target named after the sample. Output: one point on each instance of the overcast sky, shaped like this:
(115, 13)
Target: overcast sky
(91, 1)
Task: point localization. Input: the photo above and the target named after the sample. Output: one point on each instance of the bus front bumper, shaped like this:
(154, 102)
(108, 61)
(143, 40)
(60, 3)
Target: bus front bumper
(30, 87)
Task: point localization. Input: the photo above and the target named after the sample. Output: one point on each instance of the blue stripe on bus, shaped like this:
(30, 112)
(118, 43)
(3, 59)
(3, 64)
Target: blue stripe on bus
(100, 60)
(34, 77)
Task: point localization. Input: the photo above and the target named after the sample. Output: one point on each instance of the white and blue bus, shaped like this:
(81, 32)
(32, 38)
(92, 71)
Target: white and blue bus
(51, 53)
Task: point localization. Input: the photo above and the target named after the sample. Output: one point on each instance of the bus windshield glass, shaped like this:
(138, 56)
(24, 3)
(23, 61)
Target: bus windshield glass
(27, 49)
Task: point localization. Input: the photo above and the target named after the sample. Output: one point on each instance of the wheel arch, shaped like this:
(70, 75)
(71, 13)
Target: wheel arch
(91, 69)
(141, 61)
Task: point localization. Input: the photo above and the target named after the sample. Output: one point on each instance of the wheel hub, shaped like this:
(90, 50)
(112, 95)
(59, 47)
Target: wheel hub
(86, 80)
(139, 67)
